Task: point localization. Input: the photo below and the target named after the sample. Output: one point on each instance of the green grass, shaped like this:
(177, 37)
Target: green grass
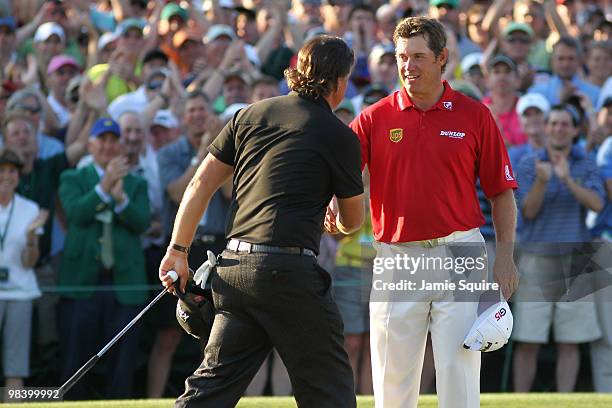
(429, 401)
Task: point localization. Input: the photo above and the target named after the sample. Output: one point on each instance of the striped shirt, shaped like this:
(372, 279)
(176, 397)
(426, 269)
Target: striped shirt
(561, 218)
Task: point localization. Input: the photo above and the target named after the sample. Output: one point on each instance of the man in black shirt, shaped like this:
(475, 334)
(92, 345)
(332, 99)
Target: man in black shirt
(289, 156)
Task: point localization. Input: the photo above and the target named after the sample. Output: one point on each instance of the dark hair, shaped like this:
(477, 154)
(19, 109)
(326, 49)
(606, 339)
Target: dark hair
(605, 46)
(362, 7)
(570, 110)
(430, 29)
(197, 94)
(569, 42)
(322, 61)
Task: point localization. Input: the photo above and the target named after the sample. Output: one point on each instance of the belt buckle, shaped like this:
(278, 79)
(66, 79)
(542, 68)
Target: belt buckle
(430, 243)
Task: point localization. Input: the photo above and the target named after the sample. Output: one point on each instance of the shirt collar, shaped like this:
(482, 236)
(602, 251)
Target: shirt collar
(319, 101)
(446, 101)
(99, 170)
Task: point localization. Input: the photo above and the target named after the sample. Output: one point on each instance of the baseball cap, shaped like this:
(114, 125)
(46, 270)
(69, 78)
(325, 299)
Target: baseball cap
(532, 100)
(9, 22)
(231, 110)
(106, 39)
(346, 105)
(46, 30)
(516, 26)
(369, 94)
(380, 50)
(59, 61)
(173, 9)
(502, 59)
(491, 330)
(185, 34)
(227, 4)
(105, 125)
(471, 60)
(438, 3)
(129, 24)
(9, 156)
(166, 119)
(219, 30)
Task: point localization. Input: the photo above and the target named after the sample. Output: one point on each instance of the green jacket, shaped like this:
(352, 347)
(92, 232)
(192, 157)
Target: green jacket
(80, 263)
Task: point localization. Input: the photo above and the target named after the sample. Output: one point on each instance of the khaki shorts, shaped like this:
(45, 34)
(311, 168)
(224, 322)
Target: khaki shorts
(542, 279)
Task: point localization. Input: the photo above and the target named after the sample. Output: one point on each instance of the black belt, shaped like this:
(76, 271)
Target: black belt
(241, 246)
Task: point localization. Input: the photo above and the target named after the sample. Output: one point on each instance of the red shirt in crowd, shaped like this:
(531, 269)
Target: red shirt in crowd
(510, 124)
(424, 165)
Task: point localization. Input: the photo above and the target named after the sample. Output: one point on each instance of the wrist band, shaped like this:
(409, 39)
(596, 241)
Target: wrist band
(180, 248)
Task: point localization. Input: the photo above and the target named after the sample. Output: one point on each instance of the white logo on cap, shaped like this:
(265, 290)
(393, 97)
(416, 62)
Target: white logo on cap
(448, 105)
(508, 175)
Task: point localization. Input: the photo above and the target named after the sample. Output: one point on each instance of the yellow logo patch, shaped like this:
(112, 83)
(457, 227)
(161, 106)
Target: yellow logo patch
(395, 135)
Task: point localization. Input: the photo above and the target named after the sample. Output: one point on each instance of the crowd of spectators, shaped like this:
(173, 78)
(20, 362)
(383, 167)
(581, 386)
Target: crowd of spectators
(107, 108)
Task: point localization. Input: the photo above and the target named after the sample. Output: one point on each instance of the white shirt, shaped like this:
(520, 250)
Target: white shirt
(62, 113)
(21, 284)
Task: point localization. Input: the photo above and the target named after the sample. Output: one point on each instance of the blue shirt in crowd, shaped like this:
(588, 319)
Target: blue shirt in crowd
(173, 160)
(603, 224)
(552, 88)
(561, 219)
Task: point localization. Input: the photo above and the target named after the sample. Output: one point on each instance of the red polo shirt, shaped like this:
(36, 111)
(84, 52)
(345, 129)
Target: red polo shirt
(424, 165)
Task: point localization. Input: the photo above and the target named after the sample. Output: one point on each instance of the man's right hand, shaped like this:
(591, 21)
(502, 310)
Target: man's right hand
(543, 171)
(116, 169)
(174, 261)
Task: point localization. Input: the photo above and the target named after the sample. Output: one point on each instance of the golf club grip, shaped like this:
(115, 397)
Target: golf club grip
(77, 376)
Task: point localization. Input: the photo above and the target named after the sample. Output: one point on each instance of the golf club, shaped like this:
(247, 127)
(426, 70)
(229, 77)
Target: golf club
(92, 361)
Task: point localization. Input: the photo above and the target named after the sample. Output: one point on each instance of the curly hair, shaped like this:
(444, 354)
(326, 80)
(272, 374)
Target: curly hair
(321, 62)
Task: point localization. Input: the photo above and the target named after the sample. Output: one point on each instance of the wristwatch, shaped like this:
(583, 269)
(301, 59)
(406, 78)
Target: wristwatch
(180, 248)
(195, 161)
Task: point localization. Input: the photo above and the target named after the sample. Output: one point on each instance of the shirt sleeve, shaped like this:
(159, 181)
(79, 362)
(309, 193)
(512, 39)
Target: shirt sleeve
(525, 174)
(593, 180)
(224, 145)
(604, 159)
(169, 165)
(494, 168)
(345, 167)
(361, 125)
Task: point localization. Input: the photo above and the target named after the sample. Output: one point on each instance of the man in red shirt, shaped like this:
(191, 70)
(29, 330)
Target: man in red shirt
(425, 146)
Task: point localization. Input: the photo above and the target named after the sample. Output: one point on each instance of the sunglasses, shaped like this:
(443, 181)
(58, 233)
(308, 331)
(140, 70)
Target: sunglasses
(520, 40)
(154, 85)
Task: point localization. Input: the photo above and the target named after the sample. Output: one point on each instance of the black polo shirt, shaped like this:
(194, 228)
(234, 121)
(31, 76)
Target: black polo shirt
(290, 155)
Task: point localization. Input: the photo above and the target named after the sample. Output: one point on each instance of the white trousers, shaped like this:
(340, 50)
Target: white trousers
(399, 326)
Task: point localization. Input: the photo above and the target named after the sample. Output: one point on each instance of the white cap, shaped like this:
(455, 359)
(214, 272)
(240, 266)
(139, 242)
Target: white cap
(470, 60)
(231, 110)
(207, 4)
(491, 330)
(106, 39)
(532, 100)
(217, 30)
(166, 119)
(46, 30)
